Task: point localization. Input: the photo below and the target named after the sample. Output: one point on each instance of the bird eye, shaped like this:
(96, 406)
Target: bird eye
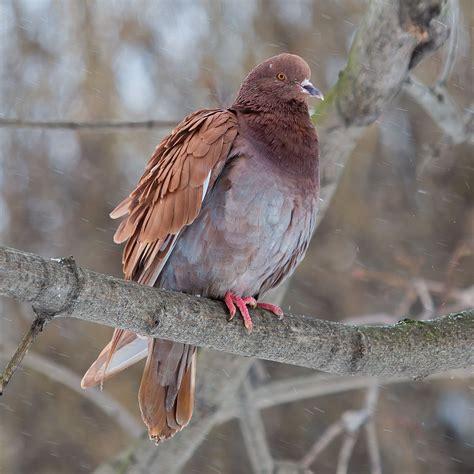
(281, 76)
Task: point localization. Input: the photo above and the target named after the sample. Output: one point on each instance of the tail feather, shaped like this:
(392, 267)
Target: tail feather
(171, 420)
(185, 402)
(165, 419)
(124, 350)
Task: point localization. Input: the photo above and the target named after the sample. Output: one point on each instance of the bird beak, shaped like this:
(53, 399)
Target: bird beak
(311, 90)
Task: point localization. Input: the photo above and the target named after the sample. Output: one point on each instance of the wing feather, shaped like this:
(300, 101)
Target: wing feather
(170, 193)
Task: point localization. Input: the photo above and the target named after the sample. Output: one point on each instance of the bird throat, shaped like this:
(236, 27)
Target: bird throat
(283, 135)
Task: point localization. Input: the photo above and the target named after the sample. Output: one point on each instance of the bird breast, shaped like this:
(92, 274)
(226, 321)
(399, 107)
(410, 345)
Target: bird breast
(253, 230)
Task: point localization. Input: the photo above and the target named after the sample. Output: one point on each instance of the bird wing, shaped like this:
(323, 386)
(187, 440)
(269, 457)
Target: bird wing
(167, 198)
(170, 192)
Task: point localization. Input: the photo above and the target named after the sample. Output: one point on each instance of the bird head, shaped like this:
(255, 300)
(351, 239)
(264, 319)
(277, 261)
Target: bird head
(282, 78)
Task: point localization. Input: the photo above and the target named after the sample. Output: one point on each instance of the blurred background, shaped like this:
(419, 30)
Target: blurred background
(397, 240)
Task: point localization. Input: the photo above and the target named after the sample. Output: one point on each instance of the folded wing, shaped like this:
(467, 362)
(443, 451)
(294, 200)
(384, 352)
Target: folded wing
(170, 192)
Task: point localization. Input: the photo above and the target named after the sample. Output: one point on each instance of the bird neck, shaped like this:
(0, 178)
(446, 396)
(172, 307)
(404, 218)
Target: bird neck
(282, 133)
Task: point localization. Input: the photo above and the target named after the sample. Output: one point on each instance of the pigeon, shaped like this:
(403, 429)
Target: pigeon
(225, 209)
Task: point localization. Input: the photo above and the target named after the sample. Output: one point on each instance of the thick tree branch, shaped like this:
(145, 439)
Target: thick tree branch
(392, 38)
(59, 288)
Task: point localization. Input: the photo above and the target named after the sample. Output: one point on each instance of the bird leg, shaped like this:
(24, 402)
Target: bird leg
(232, 300)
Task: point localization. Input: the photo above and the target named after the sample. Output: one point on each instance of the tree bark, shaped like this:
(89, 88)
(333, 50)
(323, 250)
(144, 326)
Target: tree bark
(60, 288)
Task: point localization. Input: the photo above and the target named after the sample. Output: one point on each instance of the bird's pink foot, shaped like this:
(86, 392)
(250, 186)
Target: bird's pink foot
(273, 308)
(232, 301)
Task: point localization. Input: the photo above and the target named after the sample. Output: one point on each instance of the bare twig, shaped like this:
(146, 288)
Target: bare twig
(424, 295)
(349, 423)
(86, 125)
(406, 303)
(451, 50)
(352, 426)
(366, 416)
(15, 361)
(294, 389)
(259, 371)
(345, 453)
(464, 249)
(253, 433)
(329, 435)
(371, 398)
(373, 449)
(440, 106)
(459, 297)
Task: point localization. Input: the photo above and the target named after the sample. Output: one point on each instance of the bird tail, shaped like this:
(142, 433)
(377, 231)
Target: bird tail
(124, 349)
(166, 395)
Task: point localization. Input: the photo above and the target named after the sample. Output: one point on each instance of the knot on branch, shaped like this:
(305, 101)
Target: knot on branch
(360, 348)
(424, 20)
(75, 286)
(352, 420)
(42, 317)
(420, 14)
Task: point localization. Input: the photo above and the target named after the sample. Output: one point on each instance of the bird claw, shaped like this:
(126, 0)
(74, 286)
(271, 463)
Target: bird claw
(273, 308)
(250, 301)
(228, 299)
(232, 300)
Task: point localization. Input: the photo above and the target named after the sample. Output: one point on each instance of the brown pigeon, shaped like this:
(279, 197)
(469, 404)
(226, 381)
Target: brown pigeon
(225, 209)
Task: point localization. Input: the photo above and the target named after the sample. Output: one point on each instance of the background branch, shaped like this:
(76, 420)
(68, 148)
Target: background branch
(60, 374)
(87, 125)
(440, 106)
(253, 433)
